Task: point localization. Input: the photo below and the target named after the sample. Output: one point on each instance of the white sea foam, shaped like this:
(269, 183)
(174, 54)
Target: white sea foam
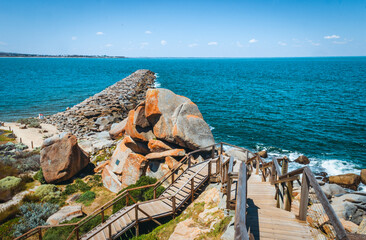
(156, 83)
(211, 127)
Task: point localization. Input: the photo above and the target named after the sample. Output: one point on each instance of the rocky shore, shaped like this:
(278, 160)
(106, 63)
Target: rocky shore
(99, 112)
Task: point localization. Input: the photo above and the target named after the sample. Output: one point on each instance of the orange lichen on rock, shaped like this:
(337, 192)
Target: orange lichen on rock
(162, 155)
(158, 146)
(151, 105)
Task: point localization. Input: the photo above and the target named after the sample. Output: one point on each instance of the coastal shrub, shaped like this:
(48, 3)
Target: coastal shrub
(6, 170)
(81, 185)
(10, 213)
(48, 192)
(39, 177)
(23, 161)
(63, 232)
(30, 198)
(143, 194)
(30, 122)
(86, 198)
(33, 215)
(7, 229)
(10, 182)
(96, 181)
(70, 189)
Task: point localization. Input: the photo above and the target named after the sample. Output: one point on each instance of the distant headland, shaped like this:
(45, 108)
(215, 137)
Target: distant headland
(9, 54)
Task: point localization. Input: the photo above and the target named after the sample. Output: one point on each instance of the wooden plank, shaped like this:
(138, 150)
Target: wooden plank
(241, 232)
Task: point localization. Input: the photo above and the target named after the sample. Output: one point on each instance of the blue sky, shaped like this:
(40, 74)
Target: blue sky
(257, 28)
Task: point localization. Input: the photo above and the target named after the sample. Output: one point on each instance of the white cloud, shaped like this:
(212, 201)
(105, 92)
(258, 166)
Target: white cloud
(239, 44)
(192, 45)
(212, 43)
(253, 40)
(163, 42)
(74, 38)
(313, 43)
(109, 45)
(148, 32)
(332, 37)
(340, 42)
(3, 43)
(282, 43)
(144, 44)
(100, 33)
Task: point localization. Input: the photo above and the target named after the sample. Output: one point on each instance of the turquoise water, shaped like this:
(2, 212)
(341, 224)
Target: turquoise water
(311, 106)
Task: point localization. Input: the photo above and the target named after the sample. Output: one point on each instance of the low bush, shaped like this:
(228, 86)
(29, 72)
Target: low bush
(9, 186)
(33, 215)
(30, 198)
(81, 185)
(142, 194)
(7, 229)
(63, 232)
(10, 182)
(39, 177)
(30, 122)
(9, 213)
(7, 170)
(86, 198)
(48, 192)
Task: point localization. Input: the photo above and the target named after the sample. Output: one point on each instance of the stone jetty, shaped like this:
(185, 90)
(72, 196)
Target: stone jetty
(99, 112)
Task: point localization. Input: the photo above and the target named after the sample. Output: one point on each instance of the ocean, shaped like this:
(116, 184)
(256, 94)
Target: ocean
(288, 106)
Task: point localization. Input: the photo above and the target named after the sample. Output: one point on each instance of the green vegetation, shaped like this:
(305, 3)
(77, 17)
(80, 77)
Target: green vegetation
(30, 122)
(7, 229)
(10, 182)
(63, 232)
(33, 215)
(142, 194)
(9, 186)
(86, 198)
(48, 193)
(104, 154)
(39, 177)
(9, 213)
(219, 229)
(6, 170)
(6, 136)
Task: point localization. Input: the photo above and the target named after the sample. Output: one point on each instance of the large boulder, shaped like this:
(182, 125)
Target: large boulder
(157, 169)
(137, 132)
(302, 160)
(332, 189)
(136, 146)
(162, 155)
(363, 176)
(119, 157)
(65, 214)
(118, 129)
(134, 167)
(263, 154)
(110, 180)
(176, 119)
(158, 146)
(345, 206)
(349, 180)
(62, 158)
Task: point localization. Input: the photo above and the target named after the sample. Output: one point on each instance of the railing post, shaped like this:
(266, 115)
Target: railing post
(189, 161)
(257, 165)
(192, 189)
(173, 206)
(40, 234)
(213, 152)
(228, 193)
(221, 148)
(127, 199)
(109, 231)
(304, 200)
(77, 232)
(173, 177)
(209, 171)
(154, 193)
(102, 213)
(136, 219)
(285, 186)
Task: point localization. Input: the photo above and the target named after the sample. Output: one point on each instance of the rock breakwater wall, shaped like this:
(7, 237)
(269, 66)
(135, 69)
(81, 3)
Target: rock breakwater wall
(97, 113)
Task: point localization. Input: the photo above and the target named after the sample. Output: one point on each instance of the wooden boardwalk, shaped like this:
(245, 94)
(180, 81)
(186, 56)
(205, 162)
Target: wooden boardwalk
(265, 220)
(125, 218)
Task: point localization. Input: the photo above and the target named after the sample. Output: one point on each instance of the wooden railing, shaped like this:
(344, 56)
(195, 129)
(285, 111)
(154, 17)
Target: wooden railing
(283, 182)
(222, 170)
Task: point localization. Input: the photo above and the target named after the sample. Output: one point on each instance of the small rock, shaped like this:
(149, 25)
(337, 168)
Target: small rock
(349, 180)
(263, 154)
(65, 214)
(362, 228)
(162, 155)
(332, 189)
(363, 176)
(302, 160)
(349, 226)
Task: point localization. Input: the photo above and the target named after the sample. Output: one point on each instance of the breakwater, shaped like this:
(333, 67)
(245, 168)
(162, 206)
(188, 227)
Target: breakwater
(97, 113)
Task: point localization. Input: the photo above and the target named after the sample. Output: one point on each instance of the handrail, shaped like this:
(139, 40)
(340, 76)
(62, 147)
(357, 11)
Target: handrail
(124, 193)
(241, 232)
(190, 179)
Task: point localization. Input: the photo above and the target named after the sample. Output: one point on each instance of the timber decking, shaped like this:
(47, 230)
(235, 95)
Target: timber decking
(265, 220)
(125, 218)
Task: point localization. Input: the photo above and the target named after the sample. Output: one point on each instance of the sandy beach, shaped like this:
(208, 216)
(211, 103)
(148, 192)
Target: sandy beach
(29, 135)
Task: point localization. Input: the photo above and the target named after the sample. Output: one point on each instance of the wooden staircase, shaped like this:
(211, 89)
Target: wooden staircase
(169, 202)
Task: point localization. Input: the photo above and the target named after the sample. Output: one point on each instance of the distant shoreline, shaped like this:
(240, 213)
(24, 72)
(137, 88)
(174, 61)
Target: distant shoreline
(25, 55)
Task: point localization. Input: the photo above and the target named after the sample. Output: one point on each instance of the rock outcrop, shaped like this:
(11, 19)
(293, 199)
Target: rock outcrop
(65, 214)
(363, 176)
(99, 112)
(349, 180)
(62, 158)
(156, 134)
